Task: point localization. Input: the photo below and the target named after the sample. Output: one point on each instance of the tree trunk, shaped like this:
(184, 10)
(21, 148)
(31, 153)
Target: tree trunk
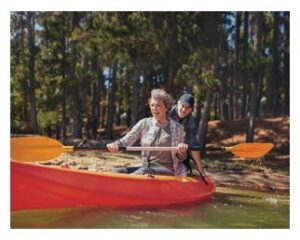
(236, 66)
(203, 125)
(198, 108)
(272, 98)
(111, 103)
(76, 126)
(22, 57)
(145, 86)
(171, 58)
(258, 81)
(76, 112)
(63, 112)
(87, 93)
(102, 98)
(231, 90)
(223, 103)
(221, 57)
(286, 70)
(257, 74)
(63, 75)
(32, 123)
(136, 92)
(215, 101)
(245, 67)
(96, 92)
(276, 65)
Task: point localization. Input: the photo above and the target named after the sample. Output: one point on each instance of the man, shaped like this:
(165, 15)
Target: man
(182, 113)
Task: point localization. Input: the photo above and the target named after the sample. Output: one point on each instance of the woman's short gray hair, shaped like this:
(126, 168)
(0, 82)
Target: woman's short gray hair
(162, 95)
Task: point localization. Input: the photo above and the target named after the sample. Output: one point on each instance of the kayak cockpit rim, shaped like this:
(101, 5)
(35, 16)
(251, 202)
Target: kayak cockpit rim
(114, 175)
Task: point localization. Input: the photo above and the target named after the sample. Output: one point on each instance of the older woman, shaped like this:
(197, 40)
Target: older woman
(159, 130)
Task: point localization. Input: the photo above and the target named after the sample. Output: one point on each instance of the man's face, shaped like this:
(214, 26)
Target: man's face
(183, 111)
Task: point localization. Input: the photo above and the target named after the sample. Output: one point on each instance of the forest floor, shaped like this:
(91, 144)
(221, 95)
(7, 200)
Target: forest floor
(270, 173)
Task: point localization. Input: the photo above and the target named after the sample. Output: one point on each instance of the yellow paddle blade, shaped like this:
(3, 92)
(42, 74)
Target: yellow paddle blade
(250, 150)
(36, 148)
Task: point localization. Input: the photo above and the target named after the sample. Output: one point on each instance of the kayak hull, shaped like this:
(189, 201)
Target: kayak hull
(42, 187)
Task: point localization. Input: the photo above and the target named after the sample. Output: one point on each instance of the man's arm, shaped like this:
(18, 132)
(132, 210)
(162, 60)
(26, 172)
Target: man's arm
(197, 156)
(191, 132)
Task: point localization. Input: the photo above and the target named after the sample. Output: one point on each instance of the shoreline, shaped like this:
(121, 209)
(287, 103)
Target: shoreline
(271, 182)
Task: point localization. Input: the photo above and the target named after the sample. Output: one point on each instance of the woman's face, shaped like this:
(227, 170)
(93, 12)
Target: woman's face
(158, 109)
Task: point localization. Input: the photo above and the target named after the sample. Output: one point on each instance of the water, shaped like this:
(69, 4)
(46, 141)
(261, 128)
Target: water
(228, 209)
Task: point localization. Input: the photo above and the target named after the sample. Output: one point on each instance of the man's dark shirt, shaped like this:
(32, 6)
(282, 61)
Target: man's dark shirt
(189, 125)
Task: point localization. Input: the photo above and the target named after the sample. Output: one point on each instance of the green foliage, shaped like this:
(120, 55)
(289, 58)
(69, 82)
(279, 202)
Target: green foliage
(198, 72)
(47, 119)
(75, 52)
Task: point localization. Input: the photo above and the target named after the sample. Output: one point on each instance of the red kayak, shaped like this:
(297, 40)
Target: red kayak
(35, 186)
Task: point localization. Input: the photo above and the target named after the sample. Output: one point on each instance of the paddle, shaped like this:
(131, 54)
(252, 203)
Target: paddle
(36, 148)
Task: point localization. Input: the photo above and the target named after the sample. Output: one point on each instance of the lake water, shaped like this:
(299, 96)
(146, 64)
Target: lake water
(228, 209)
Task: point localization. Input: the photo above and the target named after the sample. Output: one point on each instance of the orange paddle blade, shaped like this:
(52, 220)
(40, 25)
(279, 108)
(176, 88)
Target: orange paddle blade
(250, 150)
(36, 148)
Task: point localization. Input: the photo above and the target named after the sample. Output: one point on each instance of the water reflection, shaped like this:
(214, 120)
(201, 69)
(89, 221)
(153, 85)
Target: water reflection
(228, 209)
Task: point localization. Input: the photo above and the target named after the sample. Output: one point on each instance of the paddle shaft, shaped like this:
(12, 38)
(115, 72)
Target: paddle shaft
(132, 149)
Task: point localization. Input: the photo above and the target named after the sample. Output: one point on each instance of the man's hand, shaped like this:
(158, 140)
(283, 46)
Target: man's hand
(182, 148)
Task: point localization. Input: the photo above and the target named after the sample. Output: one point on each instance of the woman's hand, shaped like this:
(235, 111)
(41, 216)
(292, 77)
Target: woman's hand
(182, 148)
(112, 147)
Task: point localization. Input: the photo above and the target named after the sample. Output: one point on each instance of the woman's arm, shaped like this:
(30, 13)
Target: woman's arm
(133, 135)
(130, 138)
